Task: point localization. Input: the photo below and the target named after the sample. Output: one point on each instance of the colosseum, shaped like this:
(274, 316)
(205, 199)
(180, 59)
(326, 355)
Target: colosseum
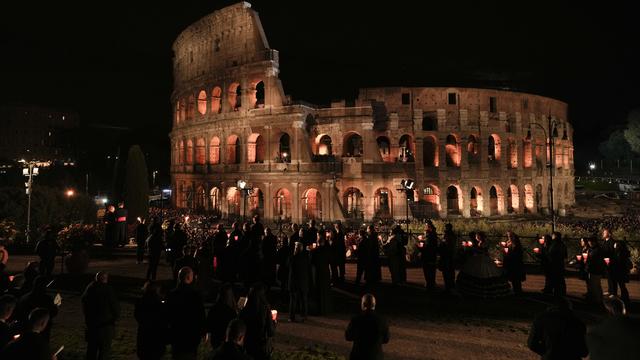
(241, 146)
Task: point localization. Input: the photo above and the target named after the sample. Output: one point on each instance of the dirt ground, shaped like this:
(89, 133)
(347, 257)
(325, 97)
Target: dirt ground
(423, 326)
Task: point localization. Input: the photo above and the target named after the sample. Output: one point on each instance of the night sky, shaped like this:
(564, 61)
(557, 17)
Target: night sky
(111, 60)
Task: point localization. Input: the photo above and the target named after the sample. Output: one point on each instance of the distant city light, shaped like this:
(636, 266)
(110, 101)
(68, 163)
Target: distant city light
(592, 166)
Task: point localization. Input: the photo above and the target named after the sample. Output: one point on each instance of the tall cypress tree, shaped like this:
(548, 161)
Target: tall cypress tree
(136, 185)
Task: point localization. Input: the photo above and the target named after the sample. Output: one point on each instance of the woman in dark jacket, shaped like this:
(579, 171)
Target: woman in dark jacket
(151, 315)
(220, 315)
(260, 326)
(513, 264)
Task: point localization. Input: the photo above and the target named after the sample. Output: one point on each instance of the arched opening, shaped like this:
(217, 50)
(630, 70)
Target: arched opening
(323, 143)
(528, 198)
(494, 149)
(200, 152)
(189, 152)
(189, 197)
(527, 154)
(451, 147)
(384, 146)
(495, 201)
(312, 205)
(216, 100)
(233, 150)
(513, 199)
(260, 94)
(202, 102)
(256, 202)
(353, 203)
(214, 150)
(431, 195)
(405, 153)
(191, 107)
(284, 148)
(475, 202)
(539, 197)
(183, 110)
(352, 145)
(473, 153)
(215, 200)
(201, 199)
(429, 122)
(513, 154)
(453, 201)
(234, 202)
(282, 204)
(429, 152)
(255, 148)
(235, 96)
(383, 204)
(181, 153)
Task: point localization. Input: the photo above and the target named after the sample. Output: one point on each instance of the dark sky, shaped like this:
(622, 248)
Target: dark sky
(111, 60)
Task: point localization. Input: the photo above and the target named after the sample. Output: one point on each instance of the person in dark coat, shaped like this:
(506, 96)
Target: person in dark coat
(232, 348)
(101, 311)
(7, 306)
(447, 251)
(285, 251)
(595, 268)
(361, 255)
(47, 249)
(31, 344)
(558, 334)
(556, 258)
(151, 314)
(110, 227)
(269, 258)
(154, 244)
(429, 254)
(219, 245)
(235, 262)
(616, 337)
(373, 272)
(395, 256)
(368, 331)
(299, 273)
(310, 233)
(619, 266)
(187, 260)
(121, 221)
(320, 256)
(339, 251)
(142, 232)
(579, 262)
(260, 325)
(513, 263)
(220, 315)
(176, 244)
(186, 317)
(256, 227)
(37, 298)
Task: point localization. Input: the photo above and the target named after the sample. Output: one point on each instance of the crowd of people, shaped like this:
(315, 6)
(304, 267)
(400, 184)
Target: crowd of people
(210, 260)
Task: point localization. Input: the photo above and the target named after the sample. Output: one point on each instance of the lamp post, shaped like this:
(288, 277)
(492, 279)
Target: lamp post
(246, 190)
(553, 133)
(30, 170)
(407, 186)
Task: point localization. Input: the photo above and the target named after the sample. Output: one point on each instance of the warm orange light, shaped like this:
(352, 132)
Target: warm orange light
(70, 193)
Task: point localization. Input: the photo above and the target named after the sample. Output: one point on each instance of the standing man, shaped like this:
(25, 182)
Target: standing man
(429, 254)
(556, 258)
(121, 220)
(339, 249)
(368, 331)
(233, 347)
(47, 248)
(619, 265)
(186, 317)
(110, 232)
(141, 237)
(299, 274)
(154, 244)
(447, 250)
(101, 311)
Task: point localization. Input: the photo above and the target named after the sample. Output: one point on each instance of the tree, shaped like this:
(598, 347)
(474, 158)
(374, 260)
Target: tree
(632, 133)
(616, 147)
(136, 185)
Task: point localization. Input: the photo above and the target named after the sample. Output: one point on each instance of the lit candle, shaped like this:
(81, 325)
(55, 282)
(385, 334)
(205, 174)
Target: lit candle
(506, 250)
(585, 256)
(536, 250)
(235, 238)
(274, 315)
(503, 243)
(464, 244)
(607, 260)
(579, 257)
(541, 241)
(354, 246)
(420, 244)
(469, 243)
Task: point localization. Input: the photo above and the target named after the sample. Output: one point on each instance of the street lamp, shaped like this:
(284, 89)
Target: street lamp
(153, 176)
(407, 186)
(70, 193)
(553, 131)
(30, 170)
(246, 190)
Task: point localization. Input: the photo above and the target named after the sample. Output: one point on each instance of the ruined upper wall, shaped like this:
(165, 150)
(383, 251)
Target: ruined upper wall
(229, 37)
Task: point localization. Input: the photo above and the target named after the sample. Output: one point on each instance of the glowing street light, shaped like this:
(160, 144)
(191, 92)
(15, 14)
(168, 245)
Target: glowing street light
(70, 193)
(30, 170)
(592, 166)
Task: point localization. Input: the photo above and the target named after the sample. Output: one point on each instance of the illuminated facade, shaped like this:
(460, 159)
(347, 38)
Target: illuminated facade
(471, 152)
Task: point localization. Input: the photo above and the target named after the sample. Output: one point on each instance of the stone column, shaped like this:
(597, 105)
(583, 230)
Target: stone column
(371, 152)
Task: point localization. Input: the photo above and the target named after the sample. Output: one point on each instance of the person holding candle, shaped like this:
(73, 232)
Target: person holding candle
(513, 263)
(219, 245)
(556, 257)
(151, 315)
(30, 344)
(299, 275)
(543, 257)
(361, 255)
(261, 327)
(322, 276)
(429, 254)
(580, 264)
(221, 314)
(594, 265)
(392, 248)
(446, 264)
(619, 266)
(7, 306)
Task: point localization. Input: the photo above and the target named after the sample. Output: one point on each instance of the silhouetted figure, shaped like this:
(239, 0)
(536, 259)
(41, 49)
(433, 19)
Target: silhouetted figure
(556, 257)
(616, 337)
(187, 260)
(393, 248)
(155, 245)
(151, 314)
(47, 248)
(31, 344)
(37, 298)
(338, 253)
(121, 221)
(220, 315)
(7, 306)
(320, 256)
(595, 268)
(186, 317)
(141, 238)
(220, 239)
(368, 331)
(299, 274)
(257, 229)
(619, 266)
(101, 311)
(361, 251)
(269, 262)
(429, 254)
(447, 251)
(110, 227)
(513, 263)
(558, 334)
(260, 326)
(232, 348)
(176, 244)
